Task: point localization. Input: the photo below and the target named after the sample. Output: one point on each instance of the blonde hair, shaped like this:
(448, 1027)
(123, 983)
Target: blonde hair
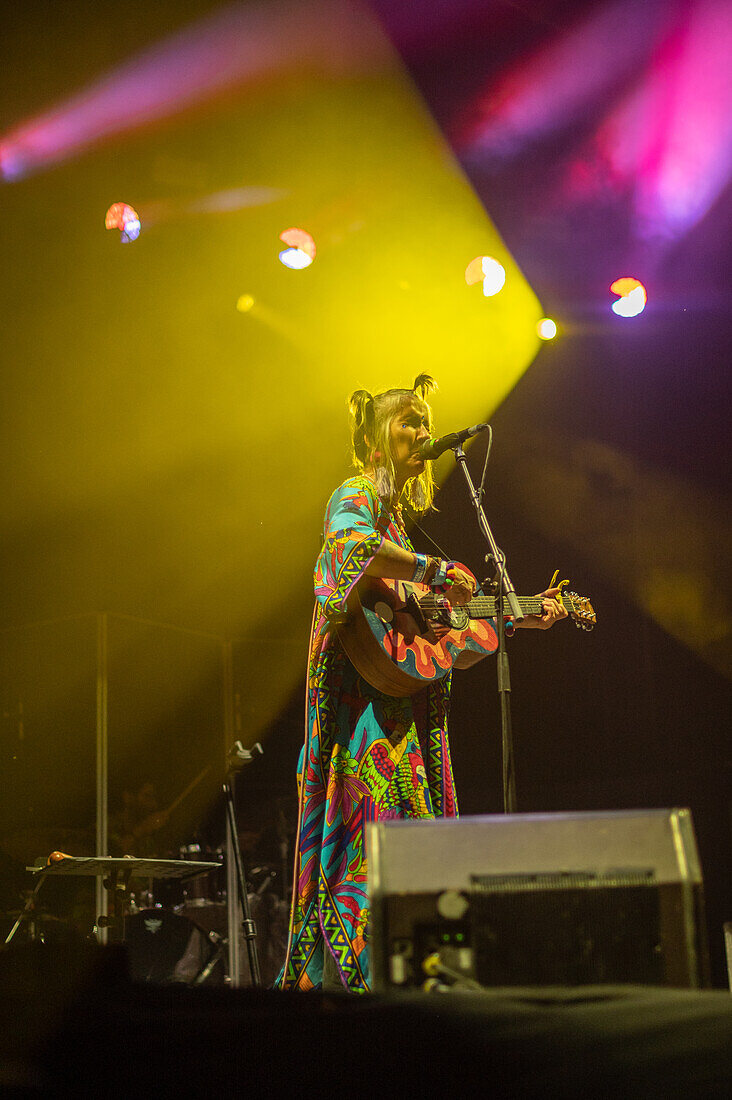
(371, 440)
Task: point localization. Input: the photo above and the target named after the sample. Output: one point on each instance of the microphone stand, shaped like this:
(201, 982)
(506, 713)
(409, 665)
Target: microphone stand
(237, 758)
(506, 595)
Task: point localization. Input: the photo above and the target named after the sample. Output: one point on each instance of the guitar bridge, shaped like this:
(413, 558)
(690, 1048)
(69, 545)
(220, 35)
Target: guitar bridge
(444, 617)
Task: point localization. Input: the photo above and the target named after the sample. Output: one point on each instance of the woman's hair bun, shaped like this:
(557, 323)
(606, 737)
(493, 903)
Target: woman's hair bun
(359, 403)
(424, 384)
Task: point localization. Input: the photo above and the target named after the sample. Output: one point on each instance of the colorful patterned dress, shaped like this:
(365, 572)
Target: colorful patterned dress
(366, 756)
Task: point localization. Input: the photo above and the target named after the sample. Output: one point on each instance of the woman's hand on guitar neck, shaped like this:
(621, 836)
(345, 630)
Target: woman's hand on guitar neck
(553, 611)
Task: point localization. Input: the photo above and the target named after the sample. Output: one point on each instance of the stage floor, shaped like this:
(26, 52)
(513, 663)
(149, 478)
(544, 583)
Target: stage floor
(73, 1022)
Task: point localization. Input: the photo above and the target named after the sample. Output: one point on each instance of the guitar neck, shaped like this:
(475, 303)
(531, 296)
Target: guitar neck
(485, 607)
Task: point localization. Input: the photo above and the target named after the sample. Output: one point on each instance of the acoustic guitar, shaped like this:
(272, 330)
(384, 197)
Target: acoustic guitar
(402, 636)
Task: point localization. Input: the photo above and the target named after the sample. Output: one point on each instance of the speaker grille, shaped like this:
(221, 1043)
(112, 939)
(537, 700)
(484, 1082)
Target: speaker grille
(574, 933)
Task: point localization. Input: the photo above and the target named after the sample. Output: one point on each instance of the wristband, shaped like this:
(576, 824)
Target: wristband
(420, 568)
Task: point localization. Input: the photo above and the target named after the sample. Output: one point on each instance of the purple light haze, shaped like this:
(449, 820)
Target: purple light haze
(545, 91)
(695, 157)
(235, 47)
(665, 141)
(668, 142)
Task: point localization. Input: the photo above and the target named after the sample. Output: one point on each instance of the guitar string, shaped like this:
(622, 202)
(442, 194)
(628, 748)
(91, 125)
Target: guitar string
(485, 606)
(531, 607)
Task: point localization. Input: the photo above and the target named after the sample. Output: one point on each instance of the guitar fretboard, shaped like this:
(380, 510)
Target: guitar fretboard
(577, 607)
(485, 607)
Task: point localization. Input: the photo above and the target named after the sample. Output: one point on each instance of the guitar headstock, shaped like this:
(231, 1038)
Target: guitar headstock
(580, 610)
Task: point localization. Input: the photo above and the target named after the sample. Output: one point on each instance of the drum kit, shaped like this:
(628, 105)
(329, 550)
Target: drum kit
(171, 914)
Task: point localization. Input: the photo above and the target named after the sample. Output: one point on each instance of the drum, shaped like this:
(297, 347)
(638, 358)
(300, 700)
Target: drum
(271, 917)
(164, 946)
(211, 916)
(204, 889)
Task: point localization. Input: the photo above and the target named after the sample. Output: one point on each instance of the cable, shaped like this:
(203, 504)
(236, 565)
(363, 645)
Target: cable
(485, 464)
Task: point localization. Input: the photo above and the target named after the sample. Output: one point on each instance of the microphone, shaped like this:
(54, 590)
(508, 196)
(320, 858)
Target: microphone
(433, 448)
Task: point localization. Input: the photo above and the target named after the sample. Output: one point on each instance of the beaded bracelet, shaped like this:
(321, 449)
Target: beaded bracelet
(444, 576)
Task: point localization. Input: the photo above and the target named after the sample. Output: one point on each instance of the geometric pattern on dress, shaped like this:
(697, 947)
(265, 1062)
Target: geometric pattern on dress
(340, 943)
(303, 950)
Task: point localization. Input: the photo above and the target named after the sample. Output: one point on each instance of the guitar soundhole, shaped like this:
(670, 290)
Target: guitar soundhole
(384, 612)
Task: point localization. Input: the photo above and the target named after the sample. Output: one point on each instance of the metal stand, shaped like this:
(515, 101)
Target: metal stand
(118, 889)
(507, 601)
(26, 913)
(238, 757)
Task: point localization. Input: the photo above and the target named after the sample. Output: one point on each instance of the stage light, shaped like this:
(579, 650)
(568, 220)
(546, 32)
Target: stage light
(295, 258)
(632, 304)
(244, 303)
(632, 297)
(546, 329)
(485, 268)
(125, 218)
(301, 250)
(131, 231)
(494, 276)
(474, 271)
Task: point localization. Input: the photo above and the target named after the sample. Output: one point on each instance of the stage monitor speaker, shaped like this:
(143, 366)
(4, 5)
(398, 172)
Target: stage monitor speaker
(537, 899)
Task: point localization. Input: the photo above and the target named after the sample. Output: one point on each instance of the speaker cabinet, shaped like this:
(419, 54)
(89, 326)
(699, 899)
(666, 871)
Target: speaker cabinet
(537, 899)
